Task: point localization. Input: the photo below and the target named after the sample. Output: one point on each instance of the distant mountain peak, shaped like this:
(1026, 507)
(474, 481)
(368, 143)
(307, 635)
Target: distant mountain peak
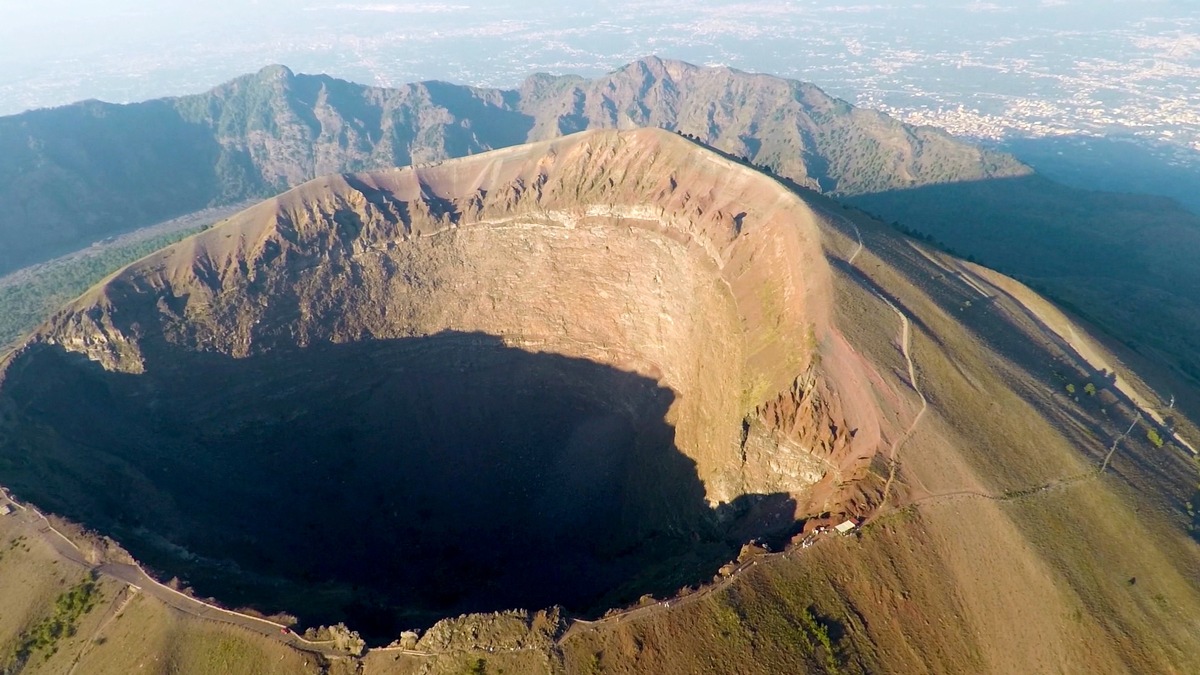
(266, 131)
(275, 71)
(660, 68)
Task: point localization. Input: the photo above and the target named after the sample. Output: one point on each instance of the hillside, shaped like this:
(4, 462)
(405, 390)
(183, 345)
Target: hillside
(82, 173)
(75, 174)
(1125, 262)
(587, 372)
(445, 306)
(792, 127)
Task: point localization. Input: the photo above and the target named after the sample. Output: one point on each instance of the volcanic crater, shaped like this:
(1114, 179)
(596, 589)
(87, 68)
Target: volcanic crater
(565, 373)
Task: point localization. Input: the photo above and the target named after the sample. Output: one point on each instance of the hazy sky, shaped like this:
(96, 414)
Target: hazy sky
(57, 51)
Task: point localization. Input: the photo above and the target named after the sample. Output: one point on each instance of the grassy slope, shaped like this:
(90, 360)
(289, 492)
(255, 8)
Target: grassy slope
(958, 583)
(143, 636)
(976, 574)
(31, 580)
(1088, 538)
(1123, 261)
(954, 580)
(149, 637)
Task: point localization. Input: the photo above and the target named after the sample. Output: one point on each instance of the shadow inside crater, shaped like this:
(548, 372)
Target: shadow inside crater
(385, 483)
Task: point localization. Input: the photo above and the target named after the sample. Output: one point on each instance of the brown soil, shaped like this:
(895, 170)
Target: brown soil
(567, 373)
(791, 361)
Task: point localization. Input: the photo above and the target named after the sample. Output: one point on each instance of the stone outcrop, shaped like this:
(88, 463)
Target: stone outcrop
(572, 372)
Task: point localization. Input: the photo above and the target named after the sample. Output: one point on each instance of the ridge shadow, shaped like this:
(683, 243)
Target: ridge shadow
(1117, 260)
(385, 483)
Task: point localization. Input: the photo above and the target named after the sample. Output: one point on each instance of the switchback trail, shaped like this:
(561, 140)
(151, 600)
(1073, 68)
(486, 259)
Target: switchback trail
(906, 351)
(1015, 495)
(905, 344)
(707, 589)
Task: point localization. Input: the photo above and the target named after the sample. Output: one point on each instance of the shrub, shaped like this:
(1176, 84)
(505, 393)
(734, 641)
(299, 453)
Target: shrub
(68, 608)
(26, 303)
(1155, 439)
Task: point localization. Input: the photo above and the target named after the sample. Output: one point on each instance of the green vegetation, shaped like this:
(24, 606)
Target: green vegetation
(43, 637)
(854, 161)
(14, 544)
(784, 616)
(1071, 389)
(1155, 438)
(815, 631)
(26, 302)
(1089, 389)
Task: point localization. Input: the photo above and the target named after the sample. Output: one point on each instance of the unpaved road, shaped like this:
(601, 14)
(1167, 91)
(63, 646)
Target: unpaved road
(139, 581)
(905, 339)
(1059, 328)
(137, 578)
(1057, 483)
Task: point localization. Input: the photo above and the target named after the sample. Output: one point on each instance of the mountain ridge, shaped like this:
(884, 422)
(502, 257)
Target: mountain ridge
(756, 337)
(129, 165)
(710, 381)
(73, 175)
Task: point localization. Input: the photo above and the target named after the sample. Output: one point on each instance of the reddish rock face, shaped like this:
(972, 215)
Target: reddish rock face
(592, 353)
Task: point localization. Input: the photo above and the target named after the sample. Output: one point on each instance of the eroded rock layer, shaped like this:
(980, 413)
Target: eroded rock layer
(462, 386)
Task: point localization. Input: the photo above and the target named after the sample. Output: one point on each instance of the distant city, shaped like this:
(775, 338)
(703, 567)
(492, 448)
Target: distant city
(985, 71)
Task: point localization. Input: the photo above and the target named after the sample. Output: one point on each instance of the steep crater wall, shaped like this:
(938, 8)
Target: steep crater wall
(566, 373)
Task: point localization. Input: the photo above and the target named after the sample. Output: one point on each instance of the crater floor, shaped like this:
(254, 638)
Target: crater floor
(564, 374)
(386, 483)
